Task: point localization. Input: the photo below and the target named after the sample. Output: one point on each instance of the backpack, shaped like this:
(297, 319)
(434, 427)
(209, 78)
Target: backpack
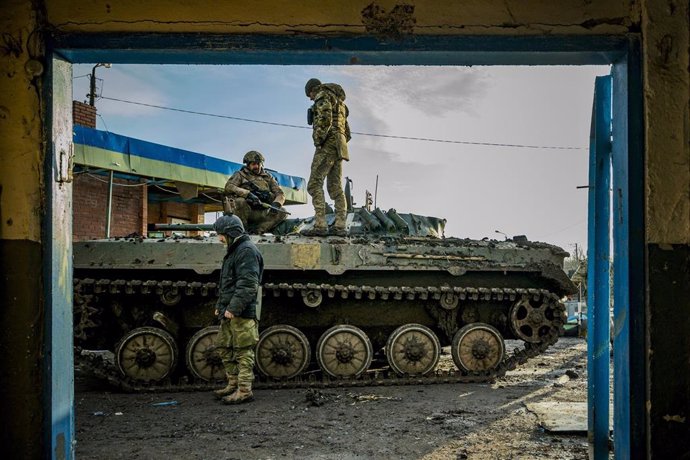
(337, 89)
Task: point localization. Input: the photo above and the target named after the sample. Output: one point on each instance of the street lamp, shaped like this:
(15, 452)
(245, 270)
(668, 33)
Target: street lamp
(504, 235)
(92, 89)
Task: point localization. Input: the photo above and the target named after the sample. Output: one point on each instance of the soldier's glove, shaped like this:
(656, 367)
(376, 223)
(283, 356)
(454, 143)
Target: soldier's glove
(253, 199)
(275, 205)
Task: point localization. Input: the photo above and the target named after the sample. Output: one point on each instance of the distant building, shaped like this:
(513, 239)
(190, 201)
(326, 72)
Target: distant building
(151, 183)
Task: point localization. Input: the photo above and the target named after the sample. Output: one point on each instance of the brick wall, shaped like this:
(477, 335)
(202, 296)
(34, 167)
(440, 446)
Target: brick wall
(131, 210)
(90, 201)
(84, 114)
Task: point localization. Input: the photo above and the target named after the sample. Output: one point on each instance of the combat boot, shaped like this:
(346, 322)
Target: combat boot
(315, 231)
(229, 389)
(336, 231)
(320, 227)
(242, 395)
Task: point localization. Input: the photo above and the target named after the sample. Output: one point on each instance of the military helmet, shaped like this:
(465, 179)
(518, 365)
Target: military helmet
(229, 225)
(311, 84)
(253, 157)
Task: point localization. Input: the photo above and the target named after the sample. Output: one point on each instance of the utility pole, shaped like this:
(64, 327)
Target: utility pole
(92, 86)
(92, 103)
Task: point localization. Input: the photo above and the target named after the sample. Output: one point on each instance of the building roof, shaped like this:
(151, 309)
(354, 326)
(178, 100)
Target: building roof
(127, 156)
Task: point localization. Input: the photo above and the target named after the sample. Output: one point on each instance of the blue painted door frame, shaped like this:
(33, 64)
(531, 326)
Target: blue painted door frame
(628, 171)
(598, 271)
(616, 220)
(58, 393)
(630, 428)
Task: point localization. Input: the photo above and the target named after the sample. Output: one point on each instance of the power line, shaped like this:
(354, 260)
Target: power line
(104, 123)
(215, 115)
(563, 229)
(388, 136)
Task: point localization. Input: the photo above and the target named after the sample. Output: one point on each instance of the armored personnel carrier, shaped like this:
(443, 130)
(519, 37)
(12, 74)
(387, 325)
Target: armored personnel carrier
(373, 307)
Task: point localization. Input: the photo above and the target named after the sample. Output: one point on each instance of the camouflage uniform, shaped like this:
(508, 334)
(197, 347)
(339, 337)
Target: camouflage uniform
(240, 185)
(331, 133)
(238, 294)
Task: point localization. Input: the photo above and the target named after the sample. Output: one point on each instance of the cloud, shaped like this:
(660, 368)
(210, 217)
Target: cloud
(399, 179)
(385, 100)
(435, 91)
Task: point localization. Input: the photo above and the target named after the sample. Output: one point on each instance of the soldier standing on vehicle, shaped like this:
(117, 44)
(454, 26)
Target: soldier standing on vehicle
(240, 276)
(331, 133)
(249, 190)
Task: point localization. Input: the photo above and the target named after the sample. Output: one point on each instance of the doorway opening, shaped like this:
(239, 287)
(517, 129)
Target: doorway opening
(618, 55)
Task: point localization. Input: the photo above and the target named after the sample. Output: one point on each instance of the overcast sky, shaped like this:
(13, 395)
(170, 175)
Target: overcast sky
(477, 188)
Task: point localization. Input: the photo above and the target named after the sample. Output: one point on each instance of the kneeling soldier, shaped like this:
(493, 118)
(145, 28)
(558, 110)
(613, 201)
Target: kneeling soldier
(248, 190)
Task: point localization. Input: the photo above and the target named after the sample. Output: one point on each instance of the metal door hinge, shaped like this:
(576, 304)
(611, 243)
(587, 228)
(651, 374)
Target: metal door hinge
(65, 164)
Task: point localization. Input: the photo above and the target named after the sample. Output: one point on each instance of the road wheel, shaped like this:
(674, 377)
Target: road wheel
(282, 352)
(344, 351)
(201, 357)
(477, 347)
(413, 349)
(146, 354)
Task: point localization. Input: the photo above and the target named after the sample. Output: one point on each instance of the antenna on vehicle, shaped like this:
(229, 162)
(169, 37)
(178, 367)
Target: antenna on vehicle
(376, 190)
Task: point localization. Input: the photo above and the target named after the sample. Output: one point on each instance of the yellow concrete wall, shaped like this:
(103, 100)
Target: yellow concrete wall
(337, 16)
(21, 146)
(21, 214)
(666, 40)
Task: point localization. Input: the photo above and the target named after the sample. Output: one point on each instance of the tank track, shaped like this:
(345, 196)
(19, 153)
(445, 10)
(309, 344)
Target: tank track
(98, 366)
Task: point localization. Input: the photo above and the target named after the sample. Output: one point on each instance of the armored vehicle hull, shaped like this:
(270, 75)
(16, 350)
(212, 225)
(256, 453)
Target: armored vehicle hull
(363, 308)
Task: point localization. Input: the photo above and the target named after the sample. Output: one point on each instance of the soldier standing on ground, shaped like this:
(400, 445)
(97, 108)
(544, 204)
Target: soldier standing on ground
(247, 189)
(331, 134)
(240, 276)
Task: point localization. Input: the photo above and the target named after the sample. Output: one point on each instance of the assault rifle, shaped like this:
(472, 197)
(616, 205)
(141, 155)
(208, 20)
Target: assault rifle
(265, 197)
(273, 208)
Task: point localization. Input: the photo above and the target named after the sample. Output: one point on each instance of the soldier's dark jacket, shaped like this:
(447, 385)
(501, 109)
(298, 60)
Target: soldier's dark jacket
(238, 184)
(240, 276)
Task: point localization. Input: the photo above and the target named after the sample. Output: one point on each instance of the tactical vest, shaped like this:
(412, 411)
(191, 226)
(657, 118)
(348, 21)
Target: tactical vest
(254, 182)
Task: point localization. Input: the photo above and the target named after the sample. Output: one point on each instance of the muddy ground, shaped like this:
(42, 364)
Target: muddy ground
(460, 421)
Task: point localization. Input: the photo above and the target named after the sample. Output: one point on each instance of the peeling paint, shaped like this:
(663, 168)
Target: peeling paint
(21, 136)
(394, 24)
